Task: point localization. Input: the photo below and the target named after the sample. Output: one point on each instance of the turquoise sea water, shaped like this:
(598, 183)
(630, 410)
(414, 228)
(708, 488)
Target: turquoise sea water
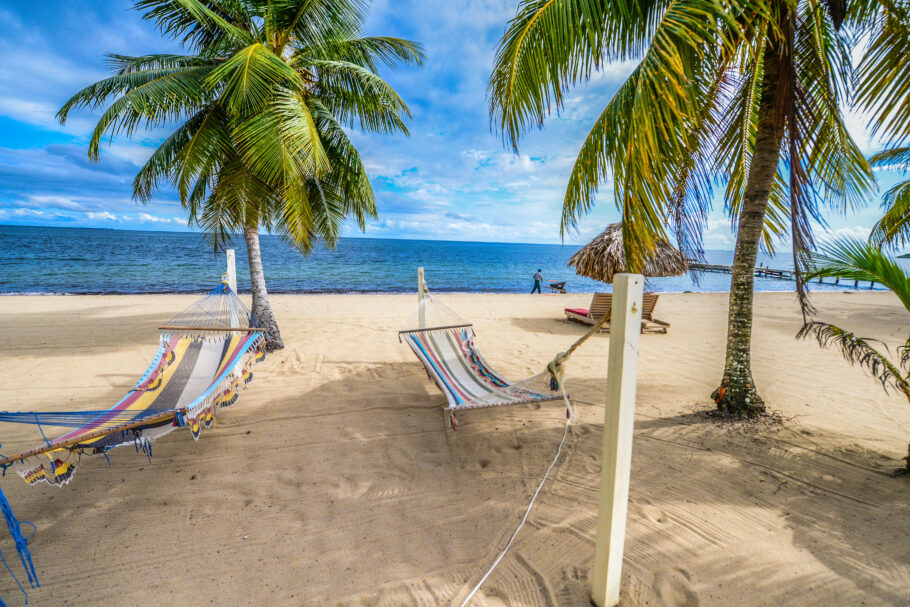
(68, 260)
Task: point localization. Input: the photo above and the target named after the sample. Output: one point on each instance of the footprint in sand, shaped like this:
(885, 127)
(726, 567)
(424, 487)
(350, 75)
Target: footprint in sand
(351, 488)
(646, 510)
(674, 588)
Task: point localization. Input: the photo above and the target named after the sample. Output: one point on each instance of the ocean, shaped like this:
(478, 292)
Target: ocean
(43, 260)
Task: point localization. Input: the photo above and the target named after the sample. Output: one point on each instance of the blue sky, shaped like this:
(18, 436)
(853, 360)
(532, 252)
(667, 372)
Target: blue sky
(451, 179)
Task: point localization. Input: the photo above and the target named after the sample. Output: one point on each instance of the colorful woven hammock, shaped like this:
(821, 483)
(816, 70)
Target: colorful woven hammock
(201, 364)
(461, 373)
(453, 362)
(204, 357)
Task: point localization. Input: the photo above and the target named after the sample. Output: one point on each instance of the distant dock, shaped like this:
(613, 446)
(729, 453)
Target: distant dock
(764, 272)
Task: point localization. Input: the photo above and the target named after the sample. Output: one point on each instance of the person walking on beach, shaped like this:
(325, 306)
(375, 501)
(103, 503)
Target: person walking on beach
(537, 278)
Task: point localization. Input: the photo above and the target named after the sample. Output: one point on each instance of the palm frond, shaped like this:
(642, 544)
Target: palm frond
(367, 52)
(281, 143)
(893, 229)
(896, 158)
(146, 97)
(857, 351)
(248, 79)
(857, 260)
(313, 22)
(127, 64)
(551, 45)
(358, 97)
(203, 25)
(884, 71)
(648, 132)
(349, 176)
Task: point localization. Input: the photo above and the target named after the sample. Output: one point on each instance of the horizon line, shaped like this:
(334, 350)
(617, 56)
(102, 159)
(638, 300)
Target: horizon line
(357, 237)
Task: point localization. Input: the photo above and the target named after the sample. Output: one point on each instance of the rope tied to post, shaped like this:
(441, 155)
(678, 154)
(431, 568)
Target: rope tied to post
(556, 367)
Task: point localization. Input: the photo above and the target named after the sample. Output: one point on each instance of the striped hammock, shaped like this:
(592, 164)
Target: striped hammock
(468, 382)
(200, 366)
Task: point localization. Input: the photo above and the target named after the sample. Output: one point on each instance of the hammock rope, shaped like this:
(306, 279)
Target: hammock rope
(556, 368)
(219, 309)
(524, 519)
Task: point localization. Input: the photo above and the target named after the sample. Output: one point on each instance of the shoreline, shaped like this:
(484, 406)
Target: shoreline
(404, 292)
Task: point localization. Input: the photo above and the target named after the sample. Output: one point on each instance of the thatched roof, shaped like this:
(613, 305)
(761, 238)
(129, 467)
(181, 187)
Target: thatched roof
(603, 257)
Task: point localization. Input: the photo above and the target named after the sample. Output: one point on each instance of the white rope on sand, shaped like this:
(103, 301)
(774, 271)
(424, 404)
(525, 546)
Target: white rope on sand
(523, 519)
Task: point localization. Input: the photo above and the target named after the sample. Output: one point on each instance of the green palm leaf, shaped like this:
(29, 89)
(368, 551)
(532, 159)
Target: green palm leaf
(248, 79)
(857, 260)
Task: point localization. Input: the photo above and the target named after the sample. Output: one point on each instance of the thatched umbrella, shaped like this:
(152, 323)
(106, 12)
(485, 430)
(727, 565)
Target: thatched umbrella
(603, 257)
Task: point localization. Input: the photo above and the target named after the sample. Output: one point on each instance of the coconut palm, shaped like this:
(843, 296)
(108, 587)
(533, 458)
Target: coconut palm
(743, 92)
(854, 259)
(261, 101)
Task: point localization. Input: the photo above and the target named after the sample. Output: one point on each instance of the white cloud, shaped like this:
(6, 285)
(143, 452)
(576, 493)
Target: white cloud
(857, 124)
(146, 218)
(103, 216)
(477, 155)
(53, 201)
(30, 213)
(718, 234)
(136, 153)
(42, 114)
(856, 232)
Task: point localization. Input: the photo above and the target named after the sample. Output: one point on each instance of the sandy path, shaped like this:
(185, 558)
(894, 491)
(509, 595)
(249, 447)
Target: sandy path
(334, 479)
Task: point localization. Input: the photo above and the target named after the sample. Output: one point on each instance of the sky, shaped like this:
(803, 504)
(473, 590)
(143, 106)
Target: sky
(452, 179)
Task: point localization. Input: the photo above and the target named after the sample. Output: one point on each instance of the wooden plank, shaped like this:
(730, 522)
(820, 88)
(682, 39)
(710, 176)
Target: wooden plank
(232, 270)
(232, 283)
(622, 376)
(241, 329)
(421, 292)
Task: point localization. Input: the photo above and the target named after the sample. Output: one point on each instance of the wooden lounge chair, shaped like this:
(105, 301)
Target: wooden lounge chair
(603, 303)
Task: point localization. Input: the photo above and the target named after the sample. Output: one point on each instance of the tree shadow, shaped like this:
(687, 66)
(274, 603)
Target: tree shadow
(552, 326)
(62, 333)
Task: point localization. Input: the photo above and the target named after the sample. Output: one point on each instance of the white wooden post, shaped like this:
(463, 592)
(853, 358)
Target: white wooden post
(232, 270)
(421, 291)
(232, 283)
(622, 375)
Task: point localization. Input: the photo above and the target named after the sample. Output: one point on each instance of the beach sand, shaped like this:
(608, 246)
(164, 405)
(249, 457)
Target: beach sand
(335, 479)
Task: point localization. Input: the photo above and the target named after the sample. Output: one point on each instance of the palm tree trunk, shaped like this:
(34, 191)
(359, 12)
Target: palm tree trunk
(737, 394)
(262, 311)
(906, 469)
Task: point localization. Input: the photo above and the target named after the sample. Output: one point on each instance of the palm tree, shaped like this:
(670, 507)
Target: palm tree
(861, 261)
(746, 92)
(261, 100)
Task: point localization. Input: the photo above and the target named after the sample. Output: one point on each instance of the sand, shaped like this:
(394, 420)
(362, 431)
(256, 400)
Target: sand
(335, 479)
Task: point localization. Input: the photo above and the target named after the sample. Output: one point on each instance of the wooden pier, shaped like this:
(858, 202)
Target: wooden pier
(764, 272)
